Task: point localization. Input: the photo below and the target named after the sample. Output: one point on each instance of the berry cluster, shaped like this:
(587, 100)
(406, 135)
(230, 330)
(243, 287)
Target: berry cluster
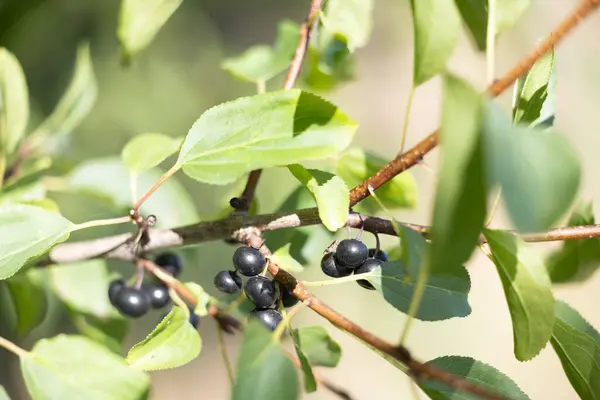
(260, 290)
(352, 256)
(135, 302)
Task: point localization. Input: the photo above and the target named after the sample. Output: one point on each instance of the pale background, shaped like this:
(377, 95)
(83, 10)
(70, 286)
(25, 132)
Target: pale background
(178, 77)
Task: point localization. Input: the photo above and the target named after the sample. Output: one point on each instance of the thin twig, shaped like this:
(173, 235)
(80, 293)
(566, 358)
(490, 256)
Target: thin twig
(224, 355)
(405, 161)
(288, 83)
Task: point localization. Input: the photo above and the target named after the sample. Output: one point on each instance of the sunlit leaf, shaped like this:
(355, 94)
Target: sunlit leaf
(27, 232)
(147, 150)
(330, 192)
(527, 289)
(73, 367)
(174, 342)
(266, 130)
(202, 299)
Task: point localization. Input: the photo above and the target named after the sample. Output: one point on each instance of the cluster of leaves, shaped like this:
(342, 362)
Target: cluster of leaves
(533, 167)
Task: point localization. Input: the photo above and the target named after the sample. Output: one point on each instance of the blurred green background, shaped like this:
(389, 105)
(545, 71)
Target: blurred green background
(178, 77)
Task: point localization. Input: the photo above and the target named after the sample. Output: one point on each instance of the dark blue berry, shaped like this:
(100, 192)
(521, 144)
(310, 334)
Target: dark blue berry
(268, 317)
(381, 255)
(261, 291)
(370, 265)
(158, 294)
(228, 282)
(248, 261)
(351, 253)
(114, 288)
(330, 267)
(287, 297)
(170, 262)
(132, 302)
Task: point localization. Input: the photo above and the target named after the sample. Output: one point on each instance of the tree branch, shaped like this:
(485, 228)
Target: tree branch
(289, 82)
(405, 161)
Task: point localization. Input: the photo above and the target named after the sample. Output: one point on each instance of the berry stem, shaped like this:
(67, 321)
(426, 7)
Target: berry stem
(13, 348)
(153, 189)
(224, 354)
(179, 301)
(101, 222)
(337, 281)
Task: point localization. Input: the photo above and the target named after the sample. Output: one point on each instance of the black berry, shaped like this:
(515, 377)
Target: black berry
(248, 261)
(370, 265)
(158, 294)
(194, 319)
(351, 253)
(228, 282)
(381, 255)
(260, 291)
(331, 268)
(287, 297)
(132, 302)
(170, 262)
(269, 317)
(114, 288)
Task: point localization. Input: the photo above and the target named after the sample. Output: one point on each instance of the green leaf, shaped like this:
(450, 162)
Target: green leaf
(14, 102)
(355, 166)
(535, 93)
(473, 371)
(310, 383)
(109, 332)
(262, 62)
(475, 16)
(73, 367)
(579, 259)
(436, 28)
(174, 342)
(202, 299)
(147, 150)
(83, 286)
(330, 192)
(76, 102)
(527, 289)
(266, 130)
(351, 20)
(285, 261)
(3, 394)
(460, 199)
(542, 178)
(263, 371)
(445, 294)
(109, 179)
(29, 300)
(329, 62)
(27, 232)
(577, 345)
(140, 21)
(320, 348)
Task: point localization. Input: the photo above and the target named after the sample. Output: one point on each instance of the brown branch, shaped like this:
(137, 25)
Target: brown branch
(417, 369)
(289, 82)
(405, 161)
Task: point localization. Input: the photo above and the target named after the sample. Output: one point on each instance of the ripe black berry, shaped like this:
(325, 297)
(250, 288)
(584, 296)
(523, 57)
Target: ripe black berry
(351, 253)
(194, 319)
(287, 297)
(261, 291)
(228, 282)
(269, 317)
(330, 267)
(170, 262)
(248, 261)
(114, 288)
(158, 294)
(370, 265)
(381, 255)
(132, 302)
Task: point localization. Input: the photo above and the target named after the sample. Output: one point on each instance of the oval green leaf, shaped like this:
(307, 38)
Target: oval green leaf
(320, 348)
(263, 371)
(330, 193)
(266, 130)
(75, 104)
(475, 372)
(14, 102)
(356, 165)
(310, 383)
(527, 289)
(27, 232)
(147, 150)
(577, 345)
(140, 21)
(436, 28)
(73, 367)
(174, 342)
(460, 196)
(29, 300)
(351, 20)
